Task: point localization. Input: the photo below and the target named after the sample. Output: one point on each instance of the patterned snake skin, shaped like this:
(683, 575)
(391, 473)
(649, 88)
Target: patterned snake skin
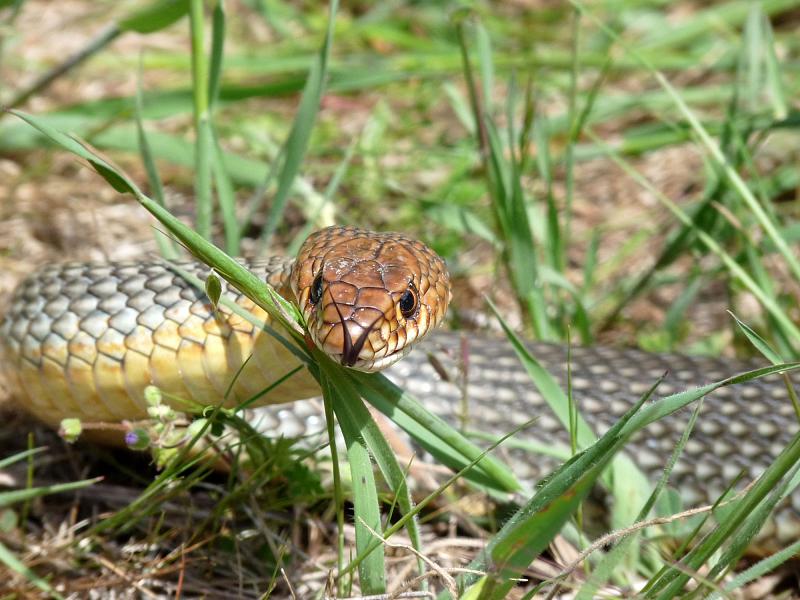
(84, 340)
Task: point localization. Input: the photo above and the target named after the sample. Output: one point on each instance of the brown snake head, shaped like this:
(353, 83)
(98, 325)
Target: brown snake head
(367, 297)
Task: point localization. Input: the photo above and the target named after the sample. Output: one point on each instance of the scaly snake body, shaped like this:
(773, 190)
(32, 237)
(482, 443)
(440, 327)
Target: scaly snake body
(84, 340)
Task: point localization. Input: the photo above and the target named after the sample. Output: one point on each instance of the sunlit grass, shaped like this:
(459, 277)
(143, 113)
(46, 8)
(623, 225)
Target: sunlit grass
(476, 124)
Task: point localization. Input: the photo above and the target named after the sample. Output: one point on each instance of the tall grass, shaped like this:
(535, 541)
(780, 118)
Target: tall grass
(498, 84)
(722, 226)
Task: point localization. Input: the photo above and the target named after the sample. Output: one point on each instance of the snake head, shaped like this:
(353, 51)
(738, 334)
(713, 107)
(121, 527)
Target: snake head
(368, 297)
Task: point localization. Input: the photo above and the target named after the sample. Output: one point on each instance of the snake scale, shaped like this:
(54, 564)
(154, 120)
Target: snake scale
(84, 340)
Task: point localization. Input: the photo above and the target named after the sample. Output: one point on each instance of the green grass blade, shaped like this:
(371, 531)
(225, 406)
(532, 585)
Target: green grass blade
(747, 531)
(761, 568)
(531, 529)
(10, 460)
(608, 566)
(435, 435)
(485, 64)
(629, 486)
(354, 421)
(218, 22)
(378, 447)
(278, 308)
(714, 151)
(204, 139)
(14, 496)
(297, 142)
(669, 404)
(10, 560)
(757, 341)
(165, 245)
(155, 17)
(226, 197)
(673, 580)
(327, 199)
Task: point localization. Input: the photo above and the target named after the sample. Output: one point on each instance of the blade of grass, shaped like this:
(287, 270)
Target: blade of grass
(297, 143)
(711, 244)
(218, 22)
(10, 560)
(607, 567)
(10, 460)
(713, 149)
(156, 16)
(355, 411)
(739, 542)
(14, 496)
(327, 198)
(165, 244)
(353, 421)
(402, 521)
(226, 196)
(507, 197)
(431, 432)
(674, 579)
(204, 144)
(761, 568)
(628, 484)
(228, 268)
(531, 529)
(338, 496)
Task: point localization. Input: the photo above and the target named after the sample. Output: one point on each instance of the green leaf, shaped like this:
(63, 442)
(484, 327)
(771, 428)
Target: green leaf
(165, 244)
(217, 51)
(10, 560)
(671, 583)
(118, 181)
(354, 420)
(213, 288)
(70, 429)
(531, 529)
(156, 16)
(14, 496)
(629, 485)
(297, 143)
(761, 568)
(10, 460)
(379, 448)
(758, 342)
(440, 439)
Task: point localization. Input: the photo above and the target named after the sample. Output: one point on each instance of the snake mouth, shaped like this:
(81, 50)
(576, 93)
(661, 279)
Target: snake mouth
(351, 350)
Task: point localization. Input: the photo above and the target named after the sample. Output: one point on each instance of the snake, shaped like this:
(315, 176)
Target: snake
(85, 340)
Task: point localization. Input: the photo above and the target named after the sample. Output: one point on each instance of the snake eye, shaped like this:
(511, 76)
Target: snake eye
(316, 290)
(409, 301)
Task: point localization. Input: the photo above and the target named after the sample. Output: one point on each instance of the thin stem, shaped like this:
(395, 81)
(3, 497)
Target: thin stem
(203, 138)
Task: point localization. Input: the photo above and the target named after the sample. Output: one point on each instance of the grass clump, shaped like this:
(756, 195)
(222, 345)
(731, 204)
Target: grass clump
(476, 130)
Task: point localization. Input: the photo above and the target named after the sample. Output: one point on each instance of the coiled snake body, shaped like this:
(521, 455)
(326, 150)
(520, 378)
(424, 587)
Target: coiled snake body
(84, 340)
